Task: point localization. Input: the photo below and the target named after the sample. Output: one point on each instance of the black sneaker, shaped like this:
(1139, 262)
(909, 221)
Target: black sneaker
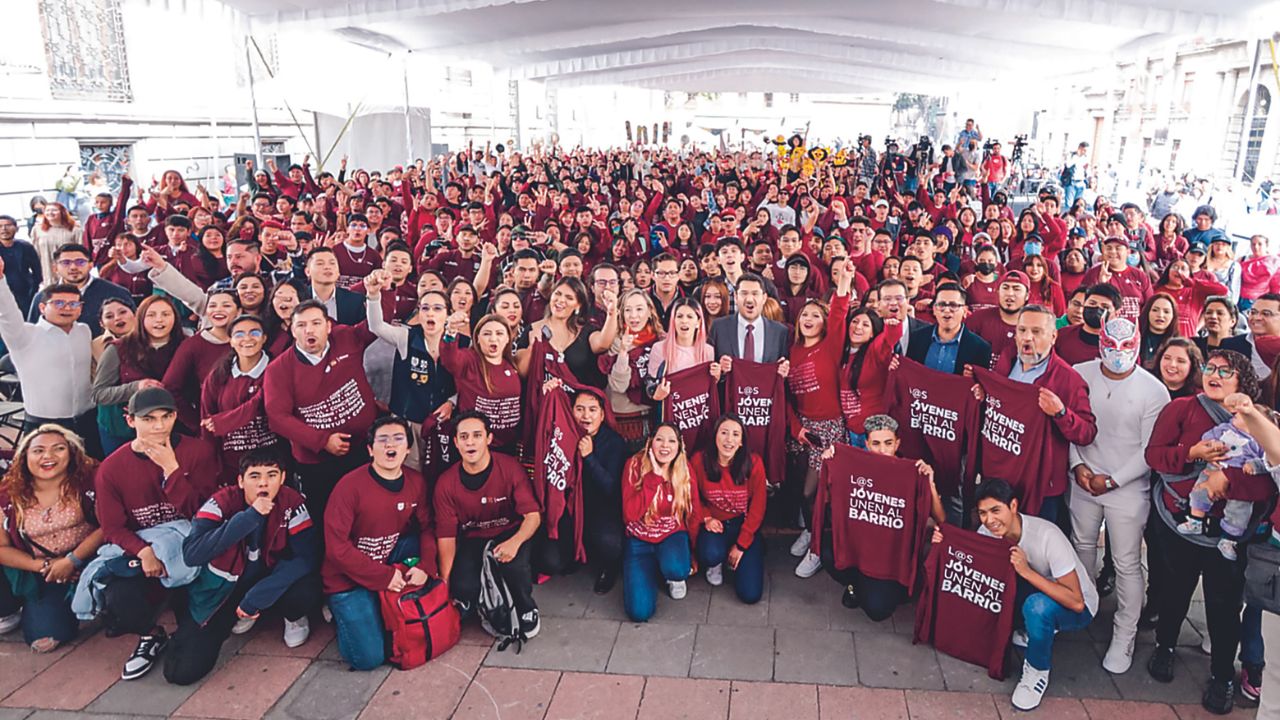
(1219, 697)
(1250, 685)
(850, 597)
(1106, 581)
(530, 624)
(605, 581)
(145, 655)
(1160, 666)
(1149, 618)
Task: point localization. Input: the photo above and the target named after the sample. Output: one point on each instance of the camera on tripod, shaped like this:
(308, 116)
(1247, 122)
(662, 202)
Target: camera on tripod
(1019, 143)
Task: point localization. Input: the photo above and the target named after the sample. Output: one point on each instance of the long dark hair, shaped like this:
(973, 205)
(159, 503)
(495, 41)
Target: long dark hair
(135, 346)
(1247, 378)
(739, 465)
(578, 319)
(222, 371)
(877, 327)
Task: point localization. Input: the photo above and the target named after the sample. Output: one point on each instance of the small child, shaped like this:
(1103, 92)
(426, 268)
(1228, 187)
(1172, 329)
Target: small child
(1242, 452)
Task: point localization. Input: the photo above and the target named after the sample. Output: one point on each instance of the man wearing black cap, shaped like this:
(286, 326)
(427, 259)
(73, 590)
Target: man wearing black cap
(159, 477)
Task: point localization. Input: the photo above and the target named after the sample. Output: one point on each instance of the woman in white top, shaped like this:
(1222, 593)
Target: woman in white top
(56, 228)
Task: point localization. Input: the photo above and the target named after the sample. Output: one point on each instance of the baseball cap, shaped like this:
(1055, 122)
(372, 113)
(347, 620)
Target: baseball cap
(1115, 239)
(881, 203)
(1198, 247)
(1015, 276)
(149, 399)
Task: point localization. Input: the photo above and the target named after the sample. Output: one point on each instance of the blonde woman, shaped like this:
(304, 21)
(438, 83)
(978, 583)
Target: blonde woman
(628, 366)
(50, 533)
(661, 511)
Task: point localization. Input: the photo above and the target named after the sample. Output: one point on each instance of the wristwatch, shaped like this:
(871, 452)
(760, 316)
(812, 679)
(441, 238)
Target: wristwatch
(1110, 483)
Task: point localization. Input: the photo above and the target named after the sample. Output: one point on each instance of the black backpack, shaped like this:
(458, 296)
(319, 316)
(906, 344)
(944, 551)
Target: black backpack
(497, 609)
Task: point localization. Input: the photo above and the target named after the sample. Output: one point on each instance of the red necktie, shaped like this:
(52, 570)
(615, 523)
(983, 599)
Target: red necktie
(749, 344)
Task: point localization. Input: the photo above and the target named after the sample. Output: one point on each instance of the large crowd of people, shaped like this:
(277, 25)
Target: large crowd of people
(636, 360)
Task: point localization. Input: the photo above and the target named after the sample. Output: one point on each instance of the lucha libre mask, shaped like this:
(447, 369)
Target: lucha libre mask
(1118, 345)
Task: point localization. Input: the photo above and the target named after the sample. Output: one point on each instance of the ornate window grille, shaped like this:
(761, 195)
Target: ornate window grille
(84, 42)
(110, 160)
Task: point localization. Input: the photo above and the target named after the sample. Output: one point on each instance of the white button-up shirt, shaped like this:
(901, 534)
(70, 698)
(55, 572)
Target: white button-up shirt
(54, 366)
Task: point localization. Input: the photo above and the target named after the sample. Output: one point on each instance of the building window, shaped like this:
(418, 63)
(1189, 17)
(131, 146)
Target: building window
(457, 75)
(1188, 86)
(111, 161)
(1173, 155)
(84, 43)
(794, 97)
(768, 100)
(273, 147)
(1257, 129)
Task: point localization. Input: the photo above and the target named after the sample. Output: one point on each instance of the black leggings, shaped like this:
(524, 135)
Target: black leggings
(464, 579)
(1184, 565)
(879, 599)
(554, 557)
(195, 647)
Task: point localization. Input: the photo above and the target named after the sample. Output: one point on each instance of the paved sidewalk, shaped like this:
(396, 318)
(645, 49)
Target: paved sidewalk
(797, 655)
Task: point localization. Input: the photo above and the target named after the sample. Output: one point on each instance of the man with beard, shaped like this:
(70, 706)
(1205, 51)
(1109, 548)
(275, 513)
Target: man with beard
(72, 264)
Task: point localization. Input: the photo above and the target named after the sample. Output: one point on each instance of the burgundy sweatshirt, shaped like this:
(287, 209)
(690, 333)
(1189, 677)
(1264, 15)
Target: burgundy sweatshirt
(306, 403)
(197, 356)
(498, 505)
(501, 404)
(234, 404)
(722, 499)
(353, 267)
(362, 524)
(133, 494)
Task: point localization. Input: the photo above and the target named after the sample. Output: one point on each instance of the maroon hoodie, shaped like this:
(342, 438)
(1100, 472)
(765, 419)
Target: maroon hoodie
(133, 494)
(693, 405)
(557, 477)
(936, 412)
(966, 609)
(878, 507)
(758, 396)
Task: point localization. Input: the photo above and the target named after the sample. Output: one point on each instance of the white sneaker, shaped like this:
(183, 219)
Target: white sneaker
(809, 566)
(715, 576)
(1119, 655)
(296, 633)
(1030, 688)
(9, 623)
(801, 545)
(678, 589)
(243, 625)
(1019, 639)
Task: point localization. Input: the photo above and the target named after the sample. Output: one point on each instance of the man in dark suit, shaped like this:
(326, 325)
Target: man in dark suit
(892, 303)
(344, 306)
(948, 346)
(747, 335)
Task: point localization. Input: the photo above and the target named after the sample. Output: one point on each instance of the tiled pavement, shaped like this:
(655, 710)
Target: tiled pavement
(796, 655)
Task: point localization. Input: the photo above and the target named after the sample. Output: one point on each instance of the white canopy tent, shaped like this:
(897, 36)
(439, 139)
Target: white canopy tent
(749, 45)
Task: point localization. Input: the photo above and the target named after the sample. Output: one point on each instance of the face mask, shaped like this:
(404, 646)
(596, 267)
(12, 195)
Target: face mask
(987, 268)
(1133, 259)
(1094, 316)
(1118, 345)
(1032, 248)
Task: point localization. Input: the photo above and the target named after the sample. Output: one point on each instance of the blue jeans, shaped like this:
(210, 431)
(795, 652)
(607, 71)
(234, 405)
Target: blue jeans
(748, 579)
(1072, 192)
(361, 634)
(645, 565)
(1251, 648)
(48, 615)
(1042, 616)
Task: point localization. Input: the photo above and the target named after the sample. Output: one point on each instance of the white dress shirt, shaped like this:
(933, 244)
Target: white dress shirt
(55, 367)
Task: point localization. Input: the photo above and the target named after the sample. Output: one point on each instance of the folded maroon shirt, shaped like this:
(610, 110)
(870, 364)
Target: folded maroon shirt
(755, 393)
(936, 412)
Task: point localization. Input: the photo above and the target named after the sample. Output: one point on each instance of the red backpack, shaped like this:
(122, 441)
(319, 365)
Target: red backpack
(422, 622)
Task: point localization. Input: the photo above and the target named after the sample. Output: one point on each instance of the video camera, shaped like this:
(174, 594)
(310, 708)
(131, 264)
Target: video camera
(1019, 144)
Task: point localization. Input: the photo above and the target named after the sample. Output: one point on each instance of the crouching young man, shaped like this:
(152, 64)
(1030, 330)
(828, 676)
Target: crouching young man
(257, 549)
(486, 496)
(378, 515)
(1054, 591)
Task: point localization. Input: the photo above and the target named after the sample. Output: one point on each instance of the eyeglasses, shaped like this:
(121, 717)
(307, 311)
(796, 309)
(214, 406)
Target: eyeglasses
(1268, 314)
(893, 299)
(432, 308)
(607, 283)
(397, 439)
(66, 304)
(77, 262)
(1222, 371)
(666, 273)
(948, 305)
(241, 334)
